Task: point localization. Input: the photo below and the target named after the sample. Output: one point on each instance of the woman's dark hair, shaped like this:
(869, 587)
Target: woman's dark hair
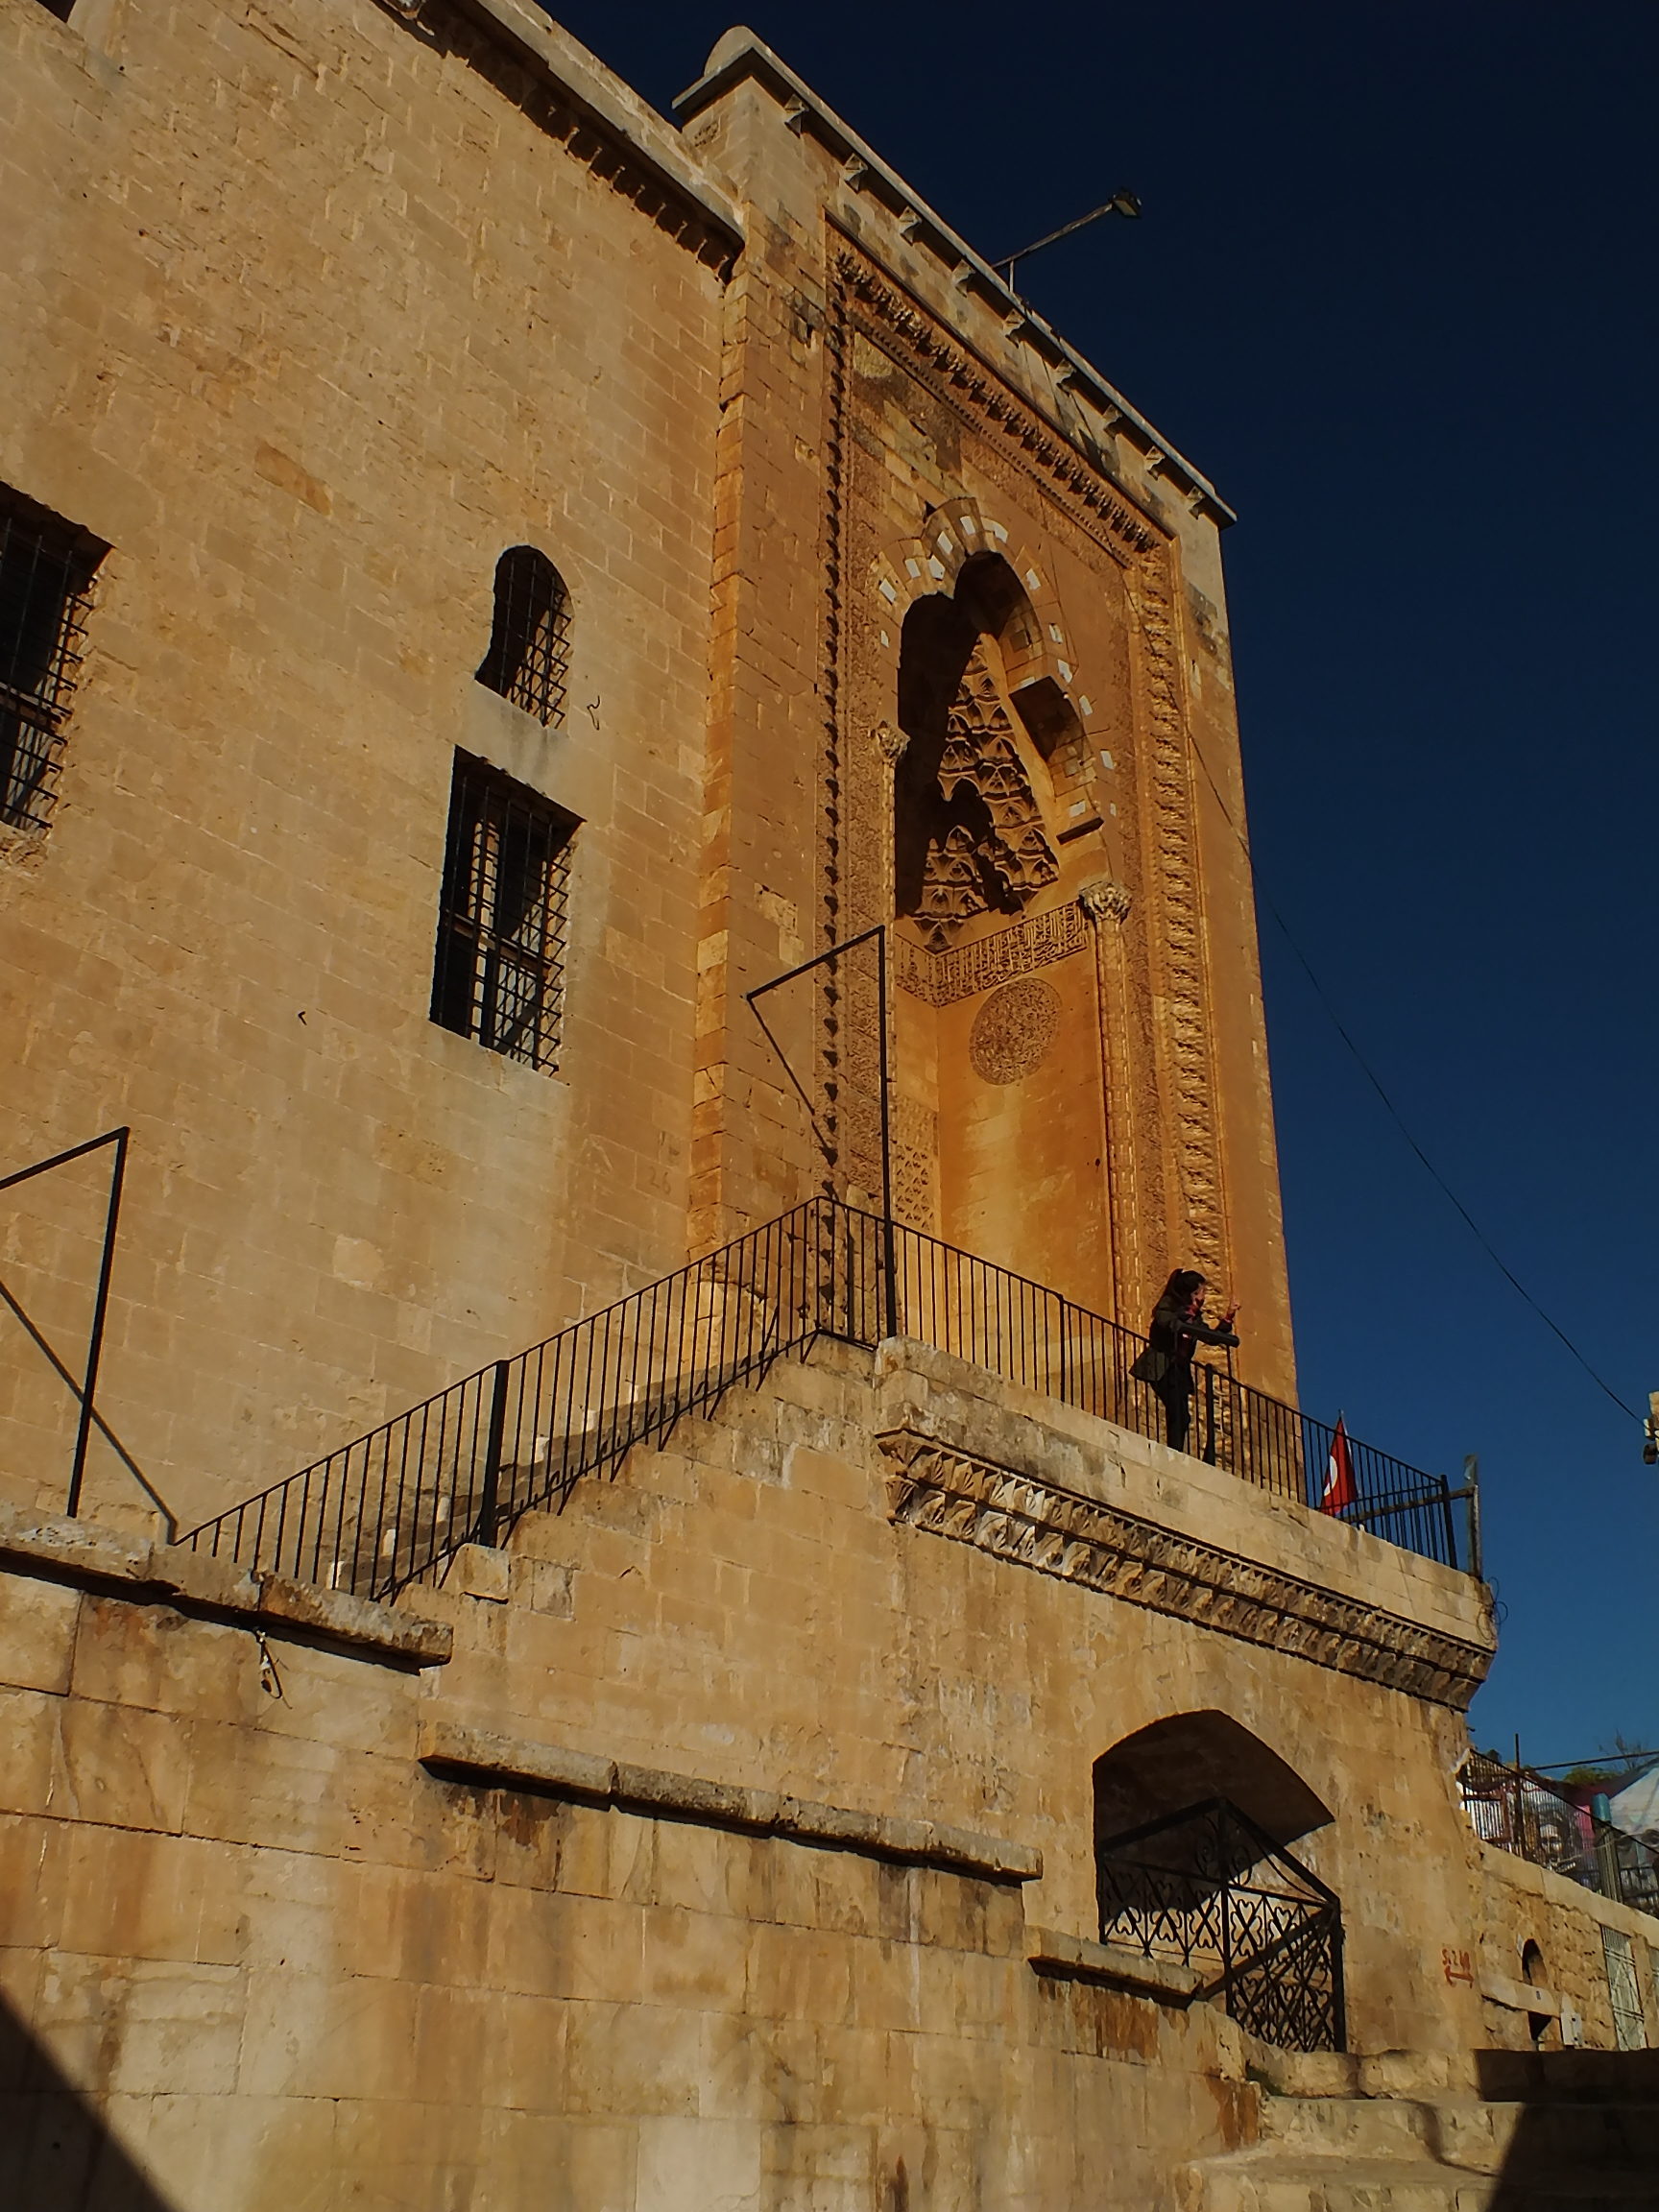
(1180, 1287)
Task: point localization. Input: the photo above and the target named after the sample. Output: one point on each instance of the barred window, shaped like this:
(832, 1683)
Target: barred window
(46, 568)
(529, 654)
(499, 974)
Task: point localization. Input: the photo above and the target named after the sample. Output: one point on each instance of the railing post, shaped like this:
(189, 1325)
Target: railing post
(1446, 1521)
(489, 1504)
(1226, 1920)
(1471, 1509)
(889, 1252)
(99, 1312)
(1338, 1990)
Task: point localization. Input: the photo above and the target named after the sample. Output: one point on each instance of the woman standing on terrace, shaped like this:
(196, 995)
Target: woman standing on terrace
(1176, 1330)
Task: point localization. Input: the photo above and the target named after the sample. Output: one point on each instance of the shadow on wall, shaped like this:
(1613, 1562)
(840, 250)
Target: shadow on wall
(55, 2152)
(1589, 2118)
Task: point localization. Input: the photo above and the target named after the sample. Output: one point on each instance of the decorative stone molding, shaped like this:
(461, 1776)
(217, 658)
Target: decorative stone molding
(448, 1748)
(1104, 901)
(890, 743)
(1049, 453)
(963, 971)
(1017, 1518)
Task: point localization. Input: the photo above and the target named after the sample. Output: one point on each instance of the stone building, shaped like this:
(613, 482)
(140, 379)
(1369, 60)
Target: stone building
(608, 744)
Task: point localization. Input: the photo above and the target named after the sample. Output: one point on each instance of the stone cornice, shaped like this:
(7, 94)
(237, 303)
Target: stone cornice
(740, 57)
(603, 123)
(1017, 1518)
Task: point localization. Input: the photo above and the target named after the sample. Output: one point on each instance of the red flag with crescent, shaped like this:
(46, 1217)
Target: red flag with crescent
(1338, 1490)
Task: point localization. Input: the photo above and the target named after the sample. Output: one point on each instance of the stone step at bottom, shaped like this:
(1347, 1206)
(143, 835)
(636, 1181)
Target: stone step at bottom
(1256, 2182)
(1614, 2140)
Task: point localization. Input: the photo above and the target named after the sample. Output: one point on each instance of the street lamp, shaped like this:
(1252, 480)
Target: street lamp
(1121, 203)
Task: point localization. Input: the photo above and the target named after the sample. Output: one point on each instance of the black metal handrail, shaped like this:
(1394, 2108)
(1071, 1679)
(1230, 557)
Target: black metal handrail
(1511, 1808)
(391, 1507)
(1209, 1890)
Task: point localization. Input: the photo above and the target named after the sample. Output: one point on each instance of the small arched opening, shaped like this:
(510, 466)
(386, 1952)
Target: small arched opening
(1532, 1972)
(529, 654)
(1193, 1820)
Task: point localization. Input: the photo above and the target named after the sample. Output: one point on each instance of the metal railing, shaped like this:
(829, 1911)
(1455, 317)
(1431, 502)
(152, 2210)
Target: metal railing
(1511, 1808)
(390, 1508)
(1210, 1891)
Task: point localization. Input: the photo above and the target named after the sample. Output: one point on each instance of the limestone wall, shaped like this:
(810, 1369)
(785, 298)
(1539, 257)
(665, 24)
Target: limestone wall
(1521, 1905)
(703, 1868)
(309, 312)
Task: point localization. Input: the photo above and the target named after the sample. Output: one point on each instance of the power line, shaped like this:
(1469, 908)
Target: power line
(1393, 1112)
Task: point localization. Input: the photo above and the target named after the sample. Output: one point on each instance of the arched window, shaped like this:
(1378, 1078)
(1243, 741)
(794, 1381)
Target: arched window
(529, 651)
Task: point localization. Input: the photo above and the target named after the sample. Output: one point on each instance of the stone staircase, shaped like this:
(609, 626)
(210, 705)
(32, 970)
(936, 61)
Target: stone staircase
(1499, 2131)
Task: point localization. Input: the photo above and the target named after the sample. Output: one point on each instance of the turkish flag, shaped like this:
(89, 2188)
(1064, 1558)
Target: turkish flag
(1338, 1490)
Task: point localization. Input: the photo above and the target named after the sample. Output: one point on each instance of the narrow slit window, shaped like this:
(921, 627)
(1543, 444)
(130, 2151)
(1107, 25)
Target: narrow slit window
(529, 656)
(46, 570)
(499, 971)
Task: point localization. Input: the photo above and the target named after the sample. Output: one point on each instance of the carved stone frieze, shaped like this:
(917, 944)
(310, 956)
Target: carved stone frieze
(941, 978)
(1031, 1522)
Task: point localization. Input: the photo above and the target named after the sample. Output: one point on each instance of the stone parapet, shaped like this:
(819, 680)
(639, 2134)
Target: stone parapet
(1018, 1473)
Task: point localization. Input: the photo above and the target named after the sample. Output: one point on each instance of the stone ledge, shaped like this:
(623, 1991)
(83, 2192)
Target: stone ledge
(193, 1582)
(499, 1762)
(1520, 1996)
(1073, 1958)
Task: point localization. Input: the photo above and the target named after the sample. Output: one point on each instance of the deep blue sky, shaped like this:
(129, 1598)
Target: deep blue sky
(1394, 293)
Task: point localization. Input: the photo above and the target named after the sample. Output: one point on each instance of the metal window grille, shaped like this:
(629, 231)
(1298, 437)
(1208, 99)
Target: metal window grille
(1630, 2028)
(46, 569)
(529, 656)
(500, 972)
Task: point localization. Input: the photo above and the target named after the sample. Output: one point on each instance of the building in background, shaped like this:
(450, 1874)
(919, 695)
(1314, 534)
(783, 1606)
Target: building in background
(608, 744)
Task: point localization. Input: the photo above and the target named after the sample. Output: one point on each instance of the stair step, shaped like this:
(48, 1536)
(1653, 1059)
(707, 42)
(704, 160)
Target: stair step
(1271, 2181)
(1349, 2126)
(1276, 2181)
(1608, 2139)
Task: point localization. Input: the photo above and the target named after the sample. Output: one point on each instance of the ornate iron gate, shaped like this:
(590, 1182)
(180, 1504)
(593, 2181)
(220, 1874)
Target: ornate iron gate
(1205, 1887)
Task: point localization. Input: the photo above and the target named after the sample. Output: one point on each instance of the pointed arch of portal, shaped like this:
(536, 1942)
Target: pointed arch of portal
(1000, 1104)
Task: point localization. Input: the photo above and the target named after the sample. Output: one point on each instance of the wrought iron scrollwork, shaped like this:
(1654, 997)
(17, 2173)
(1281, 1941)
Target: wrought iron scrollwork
(1207, 1888)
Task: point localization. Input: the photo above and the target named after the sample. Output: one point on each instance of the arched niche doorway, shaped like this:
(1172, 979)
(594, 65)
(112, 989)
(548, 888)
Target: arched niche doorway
(999, 1103)
(1190, 1757)
(1193, 1820)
